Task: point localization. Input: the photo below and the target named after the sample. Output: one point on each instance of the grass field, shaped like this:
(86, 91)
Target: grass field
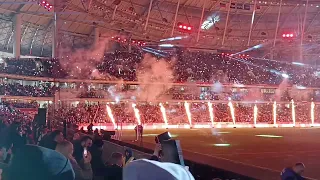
(261, 153)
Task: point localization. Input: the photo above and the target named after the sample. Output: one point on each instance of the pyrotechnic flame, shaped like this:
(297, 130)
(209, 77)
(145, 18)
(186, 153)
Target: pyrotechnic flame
(312, 113)
(232, 112)
(187, 107)
(163, 111)
(111, 116)
(211, 113)
(136, 113)
(275, 113)
(255, 114)
(293, 112)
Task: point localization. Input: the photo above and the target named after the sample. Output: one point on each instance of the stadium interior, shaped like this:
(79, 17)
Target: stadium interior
(236, 81)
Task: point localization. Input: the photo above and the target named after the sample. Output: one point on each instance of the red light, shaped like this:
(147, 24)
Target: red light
(43, 2)
(50, 7)
(138, 42)
(118, 38)
(112, 37)
(124, 40)
(287, 35)
(291, 35)
(283, 35)
(47, 4)
(189, 28)
(180, 26)
(227, 54)
(222, 54)
(184, 27)
(144, 43)
(247, 55)
(133, 41)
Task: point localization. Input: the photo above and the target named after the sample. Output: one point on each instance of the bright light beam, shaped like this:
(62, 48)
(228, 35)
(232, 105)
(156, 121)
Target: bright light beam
(312, 113)
(187, 107)
(232, 112)
(111, 116)
(163, 111)
(255, 114)
(275, 113)
(136, 113)
(268, 136)
(211, 113)
(293, 111)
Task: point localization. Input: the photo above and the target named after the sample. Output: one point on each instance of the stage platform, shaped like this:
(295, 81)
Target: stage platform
(257, 152)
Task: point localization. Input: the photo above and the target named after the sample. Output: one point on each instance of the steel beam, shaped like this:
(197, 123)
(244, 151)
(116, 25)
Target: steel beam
(175, 18)
(226, 24)
(201, 19)
(252, 21)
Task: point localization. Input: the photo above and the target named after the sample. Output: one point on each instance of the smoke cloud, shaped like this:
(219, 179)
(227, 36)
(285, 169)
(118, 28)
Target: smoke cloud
(155, 76)
(81, 63)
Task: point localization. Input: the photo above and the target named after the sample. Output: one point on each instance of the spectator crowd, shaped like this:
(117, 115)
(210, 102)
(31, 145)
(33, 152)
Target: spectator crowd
(186, 66)
(176, 113)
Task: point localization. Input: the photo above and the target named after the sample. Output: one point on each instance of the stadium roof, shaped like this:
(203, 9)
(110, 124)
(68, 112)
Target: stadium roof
(78, 18)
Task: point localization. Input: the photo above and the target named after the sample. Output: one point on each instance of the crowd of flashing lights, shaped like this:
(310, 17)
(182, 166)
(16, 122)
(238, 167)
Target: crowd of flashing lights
(187, 66)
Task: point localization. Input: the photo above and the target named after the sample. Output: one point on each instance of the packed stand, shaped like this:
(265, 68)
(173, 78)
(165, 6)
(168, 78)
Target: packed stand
(17, 104)
(176, 113)
(17, 89)
(188, 66)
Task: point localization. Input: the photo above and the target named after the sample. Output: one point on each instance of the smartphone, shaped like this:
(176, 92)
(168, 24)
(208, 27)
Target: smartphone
(85, 152)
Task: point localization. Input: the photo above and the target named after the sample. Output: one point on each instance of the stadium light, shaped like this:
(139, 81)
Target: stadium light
(45, 4)
(184, 27)
(288, 35)
(285, 75)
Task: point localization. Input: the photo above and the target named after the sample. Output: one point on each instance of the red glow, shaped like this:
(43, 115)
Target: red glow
(227, 54)
(118, 38)
(222, 54)
(247, 55)
(112, 37)
(180, 26)
(189, 28)
(291, 35)
(133, 41)
(138, 42)
(287, 35)
(283, 35)
(125, 40)
(184, 27)
(144, 43)
(43, 2)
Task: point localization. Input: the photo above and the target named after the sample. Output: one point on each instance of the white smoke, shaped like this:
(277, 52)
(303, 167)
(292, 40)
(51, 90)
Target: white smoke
(155, 76)
(81, 63)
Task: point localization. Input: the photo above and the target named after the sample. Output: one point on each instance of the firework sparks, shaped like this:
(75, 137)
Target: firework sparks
(136, 113)
(163, 111)
(255, 114)
(275, 113)
(187, 107)
(211, 113)
(312, 113)
(293, 112)
(111, 116)
(232, 112)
